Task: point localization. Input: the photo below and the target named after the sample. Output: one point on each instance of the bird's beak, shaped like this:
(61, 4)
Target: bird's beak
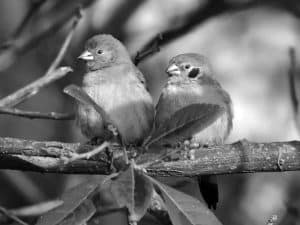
(173, 70)
(86, 55)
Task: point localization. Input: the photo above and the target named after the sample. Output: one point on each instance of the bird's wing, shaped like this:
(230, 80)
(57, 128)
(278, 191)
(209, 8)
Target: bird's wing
(208, 80)
(140, 76)
(228, 104)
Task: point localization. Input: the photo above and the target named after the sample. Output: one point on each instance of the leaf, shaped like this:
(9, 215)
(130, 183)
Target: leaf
(142, 195)
(183, 209)
(37, 209)
(133, 190)
(81, 214)
(202, 114)
(76, 204)
(122, 188)
(80, 95)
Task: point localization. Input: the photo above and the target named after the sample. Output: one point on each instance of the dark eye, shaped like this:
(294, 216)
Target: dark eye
(193, 73)
(99, 52)
(187, 66)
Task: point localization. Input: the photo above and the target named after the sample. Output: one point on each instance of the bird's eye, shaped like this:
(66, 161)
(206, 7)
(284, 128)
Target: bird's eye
(187, 66)
(193, 73)
(99, 52)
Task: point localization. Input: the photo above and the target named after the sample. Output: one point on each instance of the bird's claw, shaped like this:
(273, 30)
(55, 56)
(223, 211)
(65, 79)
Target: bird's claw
(113, 130)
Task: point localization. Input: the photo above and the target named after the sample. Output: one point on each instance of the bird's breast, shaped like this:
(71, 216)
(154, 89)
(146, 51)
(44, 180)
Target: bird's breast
(126, 102)
(175, 97)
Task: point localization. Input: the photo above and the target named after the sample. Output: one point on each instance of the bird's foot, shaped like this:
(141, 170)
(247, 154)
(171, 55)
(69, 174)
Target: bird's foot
(190, 147)
(95, 141)
(113, 130)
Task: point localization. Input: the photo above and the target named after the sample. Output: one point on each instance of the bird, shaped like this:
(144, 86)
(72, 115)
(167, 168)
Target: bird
(191, 81)
(118, 87)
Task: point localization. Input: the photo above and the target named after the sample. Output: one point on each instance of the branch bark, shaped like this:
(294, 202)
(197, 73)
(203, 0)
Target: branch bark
(240, 157)
(37, 115)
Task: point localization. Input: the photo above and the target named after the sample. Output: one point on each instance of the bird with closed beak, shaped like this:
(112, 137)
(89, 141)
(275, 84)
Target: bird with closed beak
(191, 81)
(117, 85)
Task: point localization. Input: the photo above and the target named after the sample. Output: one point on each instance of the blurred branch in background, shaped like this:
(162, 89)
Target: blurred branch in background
(33, 9)
(148, 50)
(294, 81)
(50, 76)
(239, 157)
(40, 25)
(215, 8)
(53, 73)
(113, 16)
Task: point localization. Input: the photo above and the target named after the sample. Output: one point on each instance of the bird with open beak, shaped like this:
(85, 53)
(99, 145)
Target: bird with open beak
(115, 84)
(191, 81)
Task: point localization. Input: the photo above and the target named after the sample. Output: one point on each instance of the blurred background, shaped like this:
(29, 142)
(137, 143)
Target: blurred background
(247, 43)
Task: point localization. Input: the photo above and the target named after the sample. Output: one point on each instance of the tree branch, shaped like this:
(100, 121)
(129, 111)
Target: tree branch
(239, 157)
(44, 25)
(294, 83)
(32, 88)
(212, 9)
(34, 8)
(36, 115)
(50, 76)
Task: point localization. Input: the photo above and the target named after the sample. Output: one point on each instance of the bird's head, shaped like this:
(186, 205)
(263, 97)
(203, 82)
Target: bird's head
(188, 66)
(104, 51)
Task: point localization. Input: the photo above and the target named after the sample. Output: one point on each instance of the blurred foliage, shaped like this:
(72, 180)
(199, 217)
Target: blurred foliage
(248, 50)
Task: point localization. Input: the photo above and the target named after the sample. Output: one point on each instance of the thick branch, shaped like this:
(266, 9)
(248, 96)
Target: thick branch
(239, 157)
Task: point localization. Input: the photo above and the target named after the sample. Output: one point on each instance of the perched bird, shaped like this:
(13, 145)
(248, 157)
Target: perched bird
(190, 82)
(115, 84)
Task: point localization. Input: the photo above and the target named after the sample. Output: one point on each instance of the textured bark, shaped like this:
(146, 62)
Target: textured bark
(239, 157)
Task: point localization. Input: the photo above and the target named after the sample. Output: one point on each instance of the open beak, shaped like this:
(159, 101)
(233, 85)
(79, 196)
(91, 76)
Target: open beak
(173, 70)
(86, 55)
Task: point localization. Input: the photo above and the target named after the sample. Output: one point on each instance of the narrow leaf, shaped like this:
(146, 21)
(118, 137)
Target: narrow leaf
(133, 190)
(179, 123)
(73, 199)
(143, 191)
(81, 214)
(183, 209)
(80, 95)
(122, 188)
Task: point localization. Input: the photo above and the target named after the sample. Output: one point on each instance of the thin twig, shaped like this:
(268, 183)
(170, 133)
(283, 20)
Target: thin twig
(37, 115)
(212, 9)
(34, 7)
(65, 44)
(11, 216)
(43, 26)
(32, 88)
(294, 83)
(88, 155)
(292, 75)
(149, 49)
(50, 76)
